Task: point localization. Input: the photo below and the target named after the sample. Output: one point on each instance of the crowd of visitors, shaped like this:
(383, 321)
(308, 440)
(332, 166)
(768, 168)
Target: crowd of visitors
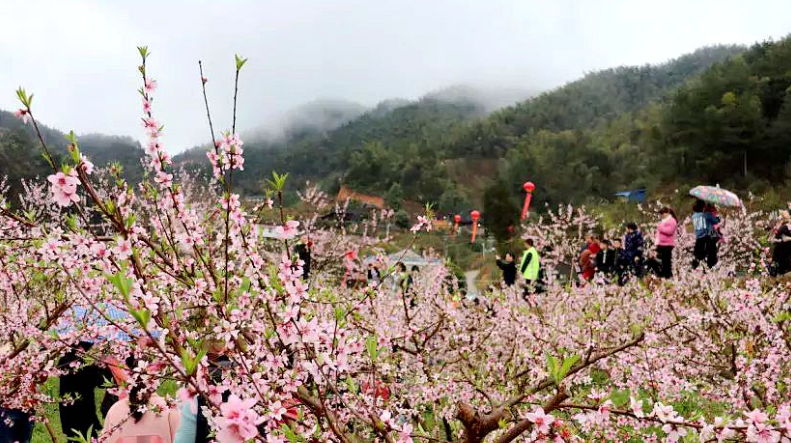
(615, 260)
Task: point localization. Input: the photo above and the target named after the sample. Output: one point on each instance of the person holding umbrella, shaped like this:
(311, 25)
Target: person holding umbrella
(704, 223)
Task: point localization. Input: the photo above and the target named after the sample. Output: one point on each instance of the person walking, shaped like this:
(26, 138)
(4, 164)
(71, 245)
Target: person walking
(531, 263)
(704, 224)
(633, 248)
(666, 241)
(508, 266)
(717, 236)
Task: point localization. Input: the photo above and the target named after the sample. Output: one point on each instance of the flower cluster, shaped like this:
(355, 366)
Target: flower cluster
(227, 155)
(64, 188)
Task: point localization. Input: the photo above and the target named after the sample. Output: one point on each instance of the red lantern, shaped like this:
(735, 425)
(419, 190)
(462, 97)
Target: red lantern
(457, 219)
(529, 187)
(475, 217)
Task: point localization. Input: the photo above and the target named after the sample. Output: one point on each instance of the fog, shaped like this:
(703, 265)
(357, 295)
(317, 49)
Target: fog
(79, 56)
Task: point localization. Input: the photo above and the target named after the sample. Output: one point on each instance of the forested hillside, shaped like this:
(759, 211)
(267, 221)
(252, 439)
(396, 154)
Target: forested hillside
(20, 151)
(590, 101)
(396, 142)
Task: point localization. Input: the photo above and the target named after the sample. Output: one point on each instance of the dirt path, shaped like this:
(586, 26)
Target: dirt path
(469, 277)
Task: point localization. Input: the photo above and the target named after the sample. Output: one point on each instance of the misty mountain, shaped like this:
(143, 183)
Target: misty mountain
(317, 116)
(327, 156)
(491, 98)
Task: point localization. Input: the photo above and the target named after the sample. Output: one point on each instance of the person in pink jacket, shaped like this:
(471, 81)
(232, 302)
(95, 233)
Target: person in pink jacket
(127, 423)
(666, 241)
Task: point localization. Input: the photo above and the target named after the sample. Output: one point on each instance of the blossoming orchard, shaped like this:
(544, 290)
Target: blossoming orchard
(704, 356)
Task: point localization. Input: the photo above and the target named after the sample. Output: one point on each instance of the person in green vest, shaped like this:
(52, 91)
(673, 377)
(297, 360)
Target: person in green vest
(531, 263)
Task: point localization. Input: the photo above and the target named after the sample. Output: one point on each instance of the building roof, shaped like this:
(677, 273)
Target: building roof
(347, 193)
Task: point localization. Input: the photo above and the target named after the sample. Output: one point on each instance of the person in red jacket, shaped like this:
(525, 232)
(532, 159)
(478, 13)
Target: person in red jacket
(588, 258)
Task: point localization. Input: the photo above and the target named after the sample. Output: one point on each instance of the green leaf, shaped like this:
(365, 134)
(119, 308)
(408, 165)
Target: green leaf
(143, 50)
(568, 362)
(781, 317)
(79, 437)
(49, 160)
(24, 98)
(130, 221)
(553, 368)
(239, 62)
(291, 436)
(142, 316)
(71, 222)
(190, 363)
(371, 345)
(245, 285)
(351, 386)
(74, 149)
(278, 182)
(121, 282)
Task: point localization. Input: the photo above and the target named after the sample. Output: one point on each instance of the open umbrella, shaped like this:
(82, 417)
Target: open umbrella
(716, 195)
(83, 315)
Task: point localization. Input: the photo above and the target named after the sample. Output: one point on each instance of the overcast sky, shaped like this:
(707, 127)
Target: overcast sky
(79, 56)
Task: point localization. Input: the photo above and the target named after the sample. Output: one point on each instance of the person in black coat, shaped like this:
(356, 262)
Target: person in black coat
(622, 262)
(781, 256)
(303, 252)
(15, 426)
(508, 266)
(605, 259)
(79, 415)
